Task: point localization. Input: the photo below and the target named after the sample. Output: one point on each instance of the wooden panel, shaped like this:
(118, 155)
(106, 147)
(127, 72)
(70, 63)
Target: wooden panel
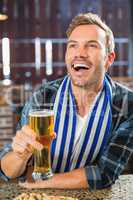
(50, 19)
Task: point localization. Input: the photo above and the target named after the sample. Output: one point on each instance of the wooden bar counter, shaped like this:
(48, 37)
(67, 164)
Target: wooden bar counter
(121, 190)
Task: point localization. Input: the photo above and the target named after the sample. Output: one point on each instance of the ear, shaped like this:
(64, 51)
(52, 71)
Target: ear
(110, 60)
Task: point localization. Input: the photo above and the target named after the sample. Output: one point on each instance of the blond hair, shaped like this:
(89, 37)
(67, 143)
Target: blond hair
(90, 18)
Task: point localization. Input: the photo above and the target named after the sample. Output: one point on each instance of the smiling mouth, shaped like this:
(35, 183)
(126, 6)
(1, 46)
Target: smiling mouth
(80, 66)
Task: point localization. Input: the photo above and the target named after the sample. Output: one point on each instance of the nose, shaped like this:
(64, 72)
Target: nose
(81, 52)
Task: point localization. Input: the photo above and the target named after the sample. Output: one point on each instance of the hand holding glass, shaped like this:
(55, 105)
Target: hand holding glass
(42, 122)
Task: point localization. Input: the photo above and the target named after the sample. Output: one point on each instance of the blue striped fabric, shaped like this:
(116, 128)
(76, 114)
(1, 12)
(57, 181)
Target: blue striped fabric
(72, 133)
(63, 155)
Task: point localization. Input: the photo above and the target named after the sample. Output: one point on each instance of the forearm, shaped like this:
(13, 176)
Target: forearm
(68, 180)
(71, 180)
(13, 164)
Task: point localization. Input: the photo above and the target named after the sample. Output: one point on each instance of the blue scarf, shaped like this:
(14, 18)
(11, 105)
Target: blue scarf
(65, 156)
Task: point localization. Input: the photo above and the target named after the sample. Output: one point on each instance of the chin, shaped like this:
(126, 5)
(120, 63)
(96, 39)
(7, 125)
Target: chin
(79, 83)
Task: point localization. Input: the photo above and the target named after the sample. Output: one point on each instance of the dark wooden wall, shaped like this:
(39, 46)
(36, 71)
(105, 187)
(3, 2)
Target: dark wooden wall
(49, 19)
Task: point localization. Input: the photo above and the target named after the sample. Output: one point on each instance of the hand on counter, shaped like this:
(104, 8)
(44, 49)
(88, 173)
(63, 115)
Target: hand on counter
(75, 179)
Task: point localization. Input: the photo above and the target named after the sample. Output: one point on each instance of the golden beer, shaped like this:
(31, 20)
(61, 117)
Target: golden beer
(42, 122)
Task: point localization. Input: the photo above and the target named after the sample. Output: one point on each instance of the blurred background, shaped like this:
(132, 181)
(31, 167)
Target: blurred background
(32, 46)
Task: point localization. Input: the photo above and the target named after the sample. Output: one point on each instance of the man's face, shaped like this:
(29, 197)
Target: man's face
(86, 55)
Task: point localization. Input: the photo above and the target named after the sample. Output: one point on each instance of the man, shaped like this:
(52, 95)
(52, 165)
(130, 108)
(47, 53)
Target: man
(93, 123)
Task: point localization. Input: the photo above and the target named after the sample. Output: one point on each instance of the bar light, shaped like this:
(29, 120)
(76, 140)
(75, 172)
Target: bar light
(37, 55)
(6, 57)
(3, 17)
(3, 10)
(48, 52)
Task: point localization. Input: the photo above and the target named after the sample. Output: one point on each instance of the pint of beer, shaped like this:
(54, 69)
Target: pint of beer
(42, 122)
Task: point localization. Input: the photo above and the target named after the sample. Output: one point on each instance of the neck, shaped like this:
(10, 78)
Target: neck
(85, 97)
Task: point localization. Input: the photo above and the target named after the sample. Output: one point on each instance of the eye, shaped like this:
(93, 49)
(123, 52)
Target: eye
(71, 45)
(93, 45)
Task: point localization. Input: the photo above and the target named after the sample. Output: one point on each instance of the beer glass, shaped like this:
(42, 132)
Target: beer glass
(42, 122)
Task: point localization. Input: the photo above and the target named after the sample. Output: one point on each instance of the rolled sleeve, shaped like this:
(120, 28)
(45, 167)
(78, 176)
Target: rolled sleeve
(7, 148)
(94, 177)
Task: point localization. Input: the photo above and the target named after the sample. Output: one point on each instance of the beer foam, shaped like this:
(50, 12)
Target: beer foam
(41, 113)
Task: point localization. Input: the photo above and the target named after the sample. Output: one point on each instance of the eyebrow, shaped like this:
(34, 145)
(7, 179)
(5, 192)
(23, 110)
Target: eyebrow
(86, 42)
(71, 41)
(89, 41)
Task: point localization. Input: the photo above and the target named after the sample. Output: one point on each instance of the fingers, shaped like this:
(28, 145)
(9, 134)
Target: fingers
(33, 185)
(53, 135)
(30, 137)
(19, 145)
(25, 140)
(29, 132)
(28, 185)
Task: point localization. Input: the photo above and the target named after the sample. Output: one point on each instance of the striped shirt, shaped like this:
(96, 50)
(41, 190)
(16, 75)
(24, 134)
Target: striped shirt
(110, 164)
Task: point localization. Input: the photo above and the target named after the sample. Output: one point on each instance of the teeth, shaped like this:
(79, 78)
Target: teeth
(80, 65)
